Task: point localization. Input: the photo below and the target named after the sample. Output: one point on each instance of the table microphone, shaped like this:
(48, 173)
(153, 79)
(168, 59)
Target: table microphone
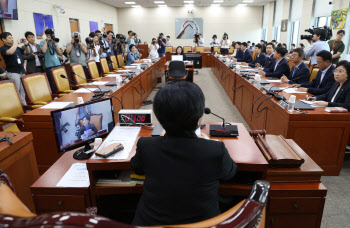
(221, 130)
(72, 72)
(208, 111)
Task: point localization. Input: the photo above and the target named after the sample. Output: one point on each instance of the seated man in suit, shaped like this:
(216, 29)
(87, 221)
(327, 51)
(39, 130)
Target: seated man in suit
(87, 129)
(259, 59)
(278, 68)
(238, 53)
(339, 94)
(324, 79)
(270, 48)
(182, 170)
(300, 72)
(247, 56)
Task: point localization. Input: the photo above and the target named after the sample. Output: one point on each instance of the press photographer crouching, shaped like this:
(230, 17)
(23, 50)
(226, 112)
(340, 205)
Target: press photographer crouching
(77, 52)
(52, 52)
(94, 50)
(318, 37)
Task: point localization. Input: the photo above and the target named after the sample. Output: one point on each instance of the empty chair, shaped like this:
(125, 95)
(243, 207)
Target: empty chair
(168, 49)
(114, 62)
(177, 71)
(314, 74)
(121, 62)
(187, 49)
(104, 66)
(199, 49)
(61, 83)
(217, 49)
(231, 49)
(78, 74)
(93, 70)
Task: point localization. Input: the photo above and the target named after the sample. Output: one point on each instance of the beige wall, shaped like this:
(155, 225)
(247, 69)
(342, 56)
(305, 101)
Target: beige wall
(83, 10)
(285, 15)
(241, 23)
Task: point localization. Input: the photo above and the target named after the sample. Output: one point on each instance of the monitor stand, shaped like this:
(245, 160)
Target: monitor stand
(84, 153)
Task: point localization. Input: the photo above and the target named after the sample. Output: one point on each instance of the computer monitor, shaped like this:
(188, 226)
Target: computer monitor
(177, 58)
(79, 126)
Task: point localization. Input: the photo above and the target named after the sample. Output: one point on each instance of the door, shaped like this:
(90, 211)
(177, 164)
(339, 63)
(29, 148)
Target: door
(74, 25)
(109, 27)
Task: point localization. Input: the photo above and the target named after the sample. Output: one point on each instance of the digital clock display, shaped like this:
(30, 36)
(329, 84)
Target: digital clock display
(134, 118)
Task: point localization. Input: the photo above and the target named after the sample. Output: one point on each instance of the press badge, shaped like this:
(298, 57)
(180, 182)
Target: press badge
(332, 52)
(18, 60)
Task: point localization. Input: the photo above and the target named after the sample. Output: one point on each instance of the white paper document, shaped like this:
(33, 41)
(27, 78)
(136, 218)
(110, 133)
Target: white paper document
(56, 105)
(123, 71)
(99, 83)
(292, 90)
(312, 103)
(113, 75)
(76, 176)
(83, 90)
(274, 81)
(135, 64)
(124, 135)
(126, 67)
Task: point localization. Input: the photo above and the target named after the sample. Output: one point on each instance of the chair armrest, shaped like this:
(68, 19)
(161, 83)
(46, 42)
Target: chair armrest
(40, 103)
(62, 94)
(68, 91)
(37, 106)
(8, 119)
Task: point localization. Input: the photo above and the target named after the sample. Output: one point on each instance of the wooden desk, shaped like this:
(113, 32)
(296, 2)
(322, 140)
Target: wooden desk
(206, 59)
(322, 135)
(296, 197)
(132, 95)
(18, 161)
(188, 64)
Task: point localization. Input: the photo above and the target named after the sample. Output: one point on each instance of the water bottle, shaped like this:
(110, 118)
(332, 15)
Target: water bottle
(291, 103)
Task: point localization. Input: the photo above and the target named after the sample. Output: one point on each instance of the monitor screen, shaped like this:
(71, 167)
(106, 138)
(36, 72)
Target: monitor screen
(177, 58)
(8, 9)
(77, 126)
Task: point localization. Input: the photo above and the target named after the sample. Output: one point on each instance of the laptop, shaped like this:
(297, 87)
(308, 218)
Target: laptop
(303, 106)
(273, 89)
(177, 58)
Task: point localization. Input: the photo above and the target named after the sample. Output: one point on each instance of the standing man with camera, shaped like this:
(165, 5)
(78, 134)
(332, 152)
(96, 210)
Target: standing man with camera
(198, 40)
(225, 44)
(319, 44)
(77, 52)
(13, 56)
(162, 43)
(337, 46)
(52, 51)
(35, 60)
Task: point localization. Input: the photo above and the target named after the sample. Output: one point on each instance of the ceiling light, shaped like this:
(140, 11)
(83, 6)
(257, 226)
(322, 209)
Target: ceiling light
(162, 5)
(130, 3)
(159, 2)
(247, 1)
(215, 5)
(136, 6)
(188, 1)
(242, 4)
(218, 1)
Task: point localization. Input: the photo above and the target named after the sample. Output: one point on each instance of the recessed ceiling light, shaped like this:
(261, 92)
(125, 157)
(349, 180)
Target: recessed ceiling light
(136, 6)
(242, 4)
(188, 1)
(130, 3)
(159, 2)
(215, 5)
(162, 5)
(218, 1)
(247, 1)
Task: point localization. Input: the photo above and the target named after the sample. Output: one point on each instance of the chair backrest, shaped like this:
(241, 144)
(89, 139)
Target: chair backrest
(217, 49)
(231, 49)
(37, 87)
(114, 62)
(168, 49)
(314, 74)
(120, 60)
(199, 49)
(291, 64)
(104, 65)
(78, 69)
(177, 69)
(254, 56)
(95, 119)
(10, 105)
(61, 84)
(187, 49)
(93, 70)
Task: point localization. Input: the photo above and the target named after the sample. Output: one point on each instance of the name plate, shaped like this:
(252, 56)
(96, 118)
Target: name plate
(283, 104)
(251, 80)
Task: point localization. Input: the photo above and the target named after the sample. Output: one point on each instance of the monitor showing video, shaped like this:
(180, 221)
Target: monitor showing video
(77, 126)
(8, 9)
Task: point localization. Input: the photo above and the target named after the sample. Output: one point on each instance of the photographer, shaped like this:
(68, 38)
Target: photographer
(52, 52)
(319, 39)
(153, 49)
(94, 50)
(162, 43)
(35, 60)
(214, 42)
(337, 46)
(225, 44)
(77, 52)
(13, 56)
(137, 40)
(130, 40)
(199, 40)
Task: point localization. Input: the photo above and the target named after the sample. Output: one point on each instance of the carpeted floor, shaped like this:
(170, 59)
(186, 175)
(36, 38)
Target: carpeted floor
(337, 208)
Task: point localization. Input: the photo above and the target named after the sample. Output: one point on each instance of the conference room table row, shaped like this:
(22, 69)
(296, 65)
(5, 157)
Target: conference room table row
(322, 135)
(131, 94)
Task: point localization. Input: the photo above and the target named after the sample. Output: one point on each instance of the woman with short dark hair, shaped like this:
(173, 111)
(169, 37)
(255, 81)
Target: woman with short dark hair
(132, 56)
(180, 51)
(182, 170)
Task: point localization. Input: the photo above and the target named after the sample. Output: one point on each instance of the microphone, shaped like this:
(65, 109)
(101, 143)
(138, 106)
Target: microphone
(208, 111)
(221, 130)
(72, 72)
(130, 76)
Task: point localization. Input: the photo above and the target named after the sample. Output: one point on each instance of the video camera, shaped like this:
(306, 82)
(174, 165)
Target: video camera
(327, 33)
(196, 37)
(90, 41)
(51, 32)
(76, 37)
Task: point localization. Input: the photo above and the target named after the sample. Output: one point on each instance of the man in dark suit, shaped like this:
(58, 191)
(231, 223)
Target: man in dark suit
(239, 52)
(278, 68)
(324, 79)
(35, 57)
(263, 46)
(270, 48)
(87, 126)
(300, 73)
(259, 59)
(247, 56)
(182, 169)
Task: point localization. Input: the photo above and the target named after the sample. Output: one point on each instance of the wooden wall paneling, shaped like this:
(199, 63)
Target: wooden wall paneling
(128, 97)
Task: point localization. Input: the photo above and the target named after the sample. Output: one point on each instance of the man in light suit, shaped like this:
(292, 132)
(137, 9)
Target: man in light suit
(278, 68)
(247, 56)
(300, 73)
(35, 57)
(259, 59)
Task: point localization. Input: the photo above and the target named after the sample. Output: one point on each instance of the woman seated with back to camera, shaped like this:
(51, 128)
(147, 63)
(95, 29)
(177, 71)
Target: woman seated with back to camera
(339, 94)
(132, 56)
(180, 51)
(182, 170)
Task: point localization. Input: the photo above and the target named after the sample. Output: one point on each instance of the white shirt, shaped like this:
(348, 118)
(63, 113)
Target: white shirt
(224, 45)
(168, 43)
(215, 44)
(201, 44)
(154, 51)
(277, 64)
(336, 92)
(34, 49)
(97, 57)
(316, 48)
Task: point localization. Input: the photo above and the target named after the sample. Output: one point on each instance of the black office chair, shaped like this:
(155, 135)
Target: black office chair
(177, 71)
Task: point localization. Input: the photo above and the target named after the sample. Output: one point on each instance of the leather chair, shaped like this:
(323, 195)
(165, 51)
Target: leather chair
(177, 71)
(168, 49)
(217, 49)
(187, 49)
(104, 66)
(93, 70)
(95, 119)
(37, 89)
(314, 74)
(121, 62)
(114, 62)
(61, 84)
(199, 49)
(291, 64)
(79, 76)
(11, 108)
(13, 213)
(253, 56)
(230, 50)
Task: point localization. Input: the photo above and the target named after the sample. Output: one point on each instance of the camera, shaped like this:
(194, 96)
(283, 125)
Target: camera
(327, 32)
(51, 32)
(196, 37)
(225, 36)
(76, 37)
(90, 41)
(160, 35)
(23, 40)
(122, 38)
(133, 34)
